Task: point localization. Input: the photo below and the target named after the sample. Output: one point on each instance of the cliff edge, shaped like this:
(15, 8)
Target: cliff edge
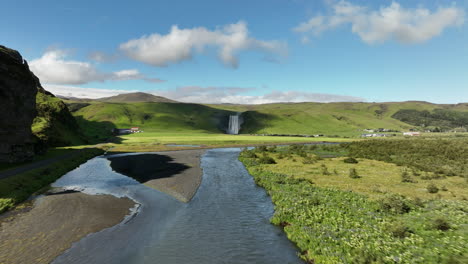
(18, 89)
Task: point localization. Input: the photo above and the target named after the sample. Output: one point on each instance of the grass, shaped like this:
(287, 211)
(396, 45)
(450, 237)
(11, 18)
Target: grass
(154, 141)
(372, 219)
(52, 152)
(377, 179)
(16, 189)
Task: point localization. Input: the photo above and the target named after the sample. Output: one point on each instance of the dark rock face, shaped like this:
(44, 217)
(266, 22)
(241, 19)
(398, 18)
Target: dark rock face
(18, 89)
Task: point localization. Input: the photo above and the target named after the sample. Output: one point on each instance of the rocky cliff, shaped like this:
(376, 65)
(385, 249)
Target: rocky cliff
(18, 89)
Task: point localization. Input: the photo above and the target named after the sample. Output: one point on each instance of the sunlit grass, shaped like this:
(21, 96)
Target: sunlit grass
(377, 178)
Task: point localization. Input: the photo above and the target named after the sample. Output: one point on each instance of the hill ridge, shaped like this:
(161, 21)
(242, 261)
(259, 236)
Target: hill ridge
(136, 97)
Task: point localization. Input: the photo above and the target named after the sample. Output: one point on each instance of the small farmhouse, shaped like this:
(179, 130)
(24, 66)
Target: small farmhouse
(411, 134)
(124, 131)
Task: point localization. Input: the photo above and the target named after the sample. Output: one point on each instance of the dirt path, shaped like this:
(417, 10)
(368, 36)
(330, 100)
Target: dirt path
(37, 164)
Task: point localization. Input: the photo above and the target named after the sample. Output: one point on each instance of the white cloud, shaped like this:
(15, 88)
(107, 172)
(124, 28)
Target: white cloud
(53, 68)
(181, 44)
(81, 92)
(99, 56)
(209, 95)
(392, 22)
(235, 95)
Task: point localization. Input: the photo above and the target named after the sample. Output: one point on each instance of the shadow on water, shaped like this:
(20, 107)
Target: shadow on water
(146, 167)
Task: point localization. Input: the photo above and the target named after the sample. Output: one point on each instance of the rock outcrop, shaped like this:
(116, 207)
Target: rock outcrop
(18, 89)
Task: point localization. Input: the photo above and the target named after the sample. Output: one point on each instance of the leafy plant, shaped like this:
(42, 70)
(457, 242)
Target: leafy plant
(405, 177)
(395, 203)
(432, 188)
(353, 174)
(350, 160)
(266, 160)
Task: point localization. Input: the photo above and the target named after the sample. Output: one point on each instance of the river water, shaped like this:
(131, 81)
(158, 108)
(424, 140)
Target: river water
(227, 221)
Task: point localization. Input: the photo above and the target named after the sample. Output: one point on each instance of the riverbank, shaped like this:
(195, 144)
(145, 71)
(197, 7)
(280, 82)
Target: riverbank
(35, 177)
(177, 173)
(43, 231)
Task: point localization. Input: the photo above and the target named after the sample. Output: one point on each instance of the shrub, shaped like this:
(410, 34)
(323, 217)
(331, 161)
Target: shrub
(249, 154)
(440, 223)
(350, 160)
(395, 203)
(405, 177)
(432, 188)
(272, 148)
(309, 160)
(415, 173)
(398, 229)
(266, 160)
(353, 174)
(261, 149)
(325, 170)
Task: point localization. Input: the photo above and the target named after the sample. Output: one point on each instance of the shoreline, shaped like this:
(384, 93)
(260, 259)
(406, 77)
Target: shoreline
(40, 232)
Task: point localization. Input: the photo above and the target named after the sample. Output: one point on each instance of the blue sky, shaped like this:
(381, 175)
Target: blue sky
(245, 51)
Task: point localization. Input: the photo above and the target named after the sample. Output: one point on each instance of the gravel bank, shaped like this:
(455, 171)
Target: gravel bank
(54, 222)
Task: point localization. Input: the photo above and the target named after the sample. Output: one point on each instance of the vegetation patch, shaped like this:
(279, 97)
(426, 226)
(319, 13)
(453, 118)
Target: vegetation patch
(335, 219)
(446, 157)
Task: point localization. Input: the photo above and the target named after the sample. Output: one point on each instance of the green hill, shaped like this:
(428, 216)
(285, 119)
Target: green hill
(54, 125)
(342, 119)
(135, 97)
(98, 119)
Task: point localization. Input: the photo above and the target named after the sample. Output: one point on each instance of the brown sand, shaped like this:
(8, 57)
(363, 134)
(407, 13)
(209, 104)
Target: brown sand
(54, 223)
(182, 185)
(176, 173)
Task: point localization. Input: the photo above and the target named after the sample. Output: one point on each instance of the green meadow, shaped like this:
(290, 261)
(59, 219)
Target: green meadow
(339, 207)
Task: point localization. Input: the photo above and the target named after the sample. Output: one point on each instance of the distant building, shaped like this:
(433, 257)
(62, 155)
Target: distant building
(374, 135)
(124, 131)
(412, 133)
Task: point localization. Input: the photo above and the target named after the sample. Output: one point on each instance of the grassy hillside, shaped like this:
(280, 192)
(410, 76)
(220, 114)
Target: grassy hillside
(154, 117)
(341, 119)
(54, 125)
(344, 119)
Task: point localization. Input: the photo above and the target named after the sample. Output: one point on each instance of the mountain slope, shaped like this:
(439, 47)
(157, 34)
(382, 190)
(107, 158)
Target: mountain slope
(329, 118)
(343, 119)
(135, 97)
(161, 117)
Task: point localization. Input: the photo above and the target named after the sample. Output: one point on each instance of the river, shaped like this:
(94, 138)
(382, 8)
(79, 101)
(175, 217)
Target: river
(227, 221)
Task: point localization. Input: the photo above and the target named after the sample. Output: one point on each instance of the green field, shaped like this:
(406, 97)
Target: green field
(399, 211)
(154, 141)
(329, 119)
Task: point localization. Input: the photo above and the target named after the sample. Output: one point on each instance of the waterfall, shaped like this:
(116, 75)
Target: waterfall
(234, 124)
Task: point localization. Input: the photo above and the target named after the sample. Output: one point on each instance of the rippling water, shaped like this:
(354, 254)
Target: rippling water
(226, 222)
